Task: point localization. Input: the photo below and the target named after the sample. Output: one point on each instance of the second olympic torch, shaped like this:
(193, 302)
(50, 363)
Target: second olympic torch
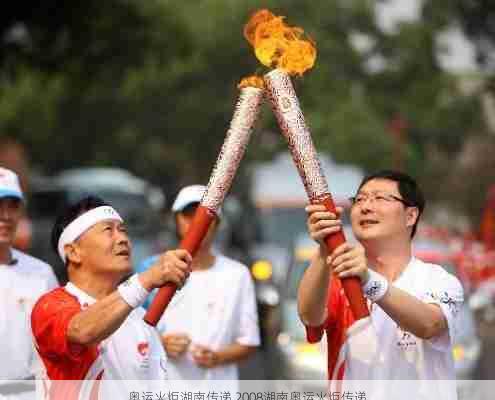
(288, 51)
(282, 97)
(234, 146)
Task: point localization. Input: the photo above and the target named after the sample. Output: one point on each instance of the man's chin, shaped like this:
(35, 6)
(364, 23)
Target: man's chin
(123, 266)
(367, 236)
(6, 240)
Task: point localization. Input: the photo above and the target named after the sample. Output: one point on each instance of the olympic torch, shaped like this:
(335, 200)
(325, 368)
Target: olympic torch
(231, 153)
(287, 49)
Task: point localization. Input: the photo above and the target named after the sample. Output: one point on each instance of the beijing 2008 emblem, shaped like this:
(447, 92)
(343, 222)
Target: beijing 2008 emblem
(285, 104)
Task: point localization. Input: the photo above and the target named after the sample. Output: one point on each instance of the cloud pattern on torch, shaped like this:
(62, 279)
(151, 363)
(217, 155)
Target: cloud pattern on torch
(285, 105)
(237, 138)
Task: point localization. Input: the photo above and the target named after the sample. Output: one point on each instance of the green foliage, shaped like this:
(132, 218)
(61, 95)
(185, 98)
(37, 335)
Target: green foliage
(151, 85)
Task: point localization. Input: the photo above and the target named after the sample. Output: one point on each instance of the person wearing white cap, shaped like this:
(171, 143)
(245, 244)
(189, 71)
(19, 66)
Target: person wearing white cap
(22, 280)
(92, 329)
(211, 323)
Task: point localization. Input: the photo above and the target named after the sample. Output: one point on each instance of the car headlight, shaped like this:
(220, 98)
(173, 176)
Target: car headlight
(463, 352)
(458, 353)
(262, 270)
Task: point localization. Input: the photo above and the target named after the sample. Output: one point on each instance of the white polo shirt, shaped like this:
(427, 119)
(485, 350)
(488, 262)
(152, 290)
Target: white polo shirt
(410, 357)
(21, 284)
(133, 352)
(216, 307)
(378, 349)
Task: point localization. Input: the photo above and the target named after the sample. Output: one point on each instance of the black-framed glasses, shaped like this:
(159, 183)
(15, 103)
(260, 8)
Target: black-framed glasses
(380, 198)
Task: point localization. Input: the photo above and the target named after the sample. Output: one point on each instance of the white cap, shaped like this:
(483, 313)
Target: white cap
(9, 184)
(189, 195)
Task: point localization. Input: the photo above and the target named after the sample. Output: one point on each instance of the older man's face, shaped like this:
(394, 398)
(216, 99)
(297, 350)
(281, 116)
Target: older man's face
(10, 215)
(105, 248)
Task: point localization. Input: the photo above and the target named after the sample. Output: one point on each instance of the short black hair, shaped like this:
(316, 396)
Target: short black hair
(70, 213)
(408, 189)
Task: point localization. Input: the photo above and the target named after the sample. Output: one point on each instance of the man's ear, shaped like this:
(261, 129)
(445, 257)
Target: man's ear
(412, 215)
(73, 253)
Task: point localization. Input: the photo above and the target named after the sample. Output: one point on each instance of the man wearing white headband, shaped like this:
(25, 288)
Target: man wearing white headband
(93, 328)
(22, 280)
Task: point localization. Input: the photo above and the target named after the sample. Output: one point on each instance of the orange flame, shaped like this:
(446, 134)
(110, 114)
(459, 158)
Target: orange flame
(278, 45)
(252, 81)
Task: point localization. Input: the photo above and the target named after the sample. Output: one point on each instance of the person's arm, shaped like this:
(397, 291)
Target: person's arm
(314, 286)
(413, 315)
(423, 319)
(175, 344)
(98, 321)
(104, 317)
(232, 353)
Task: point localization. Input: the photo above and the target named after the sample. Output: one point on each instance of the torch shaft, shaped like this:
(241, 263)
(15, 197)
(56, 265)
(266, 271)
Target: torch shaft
(233, 149)
(191, 242)
(352, 286)
(291, 120)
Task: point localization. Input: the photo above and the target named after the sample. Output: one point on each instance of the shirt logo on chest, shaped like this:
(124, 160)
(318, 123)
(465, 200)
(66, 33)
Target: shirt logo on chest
(406, 341)
(143, 348)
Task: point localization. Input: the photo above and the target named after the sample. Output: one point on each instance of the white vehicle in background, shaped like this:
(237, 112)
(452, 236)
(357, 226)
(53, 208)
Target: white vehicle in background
(138, 201)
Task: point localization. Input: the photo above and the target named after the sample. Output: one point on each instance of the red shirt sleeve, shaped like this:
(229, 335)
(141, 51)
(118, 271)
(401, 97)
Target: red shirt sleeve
(50, 321)
(315, 333)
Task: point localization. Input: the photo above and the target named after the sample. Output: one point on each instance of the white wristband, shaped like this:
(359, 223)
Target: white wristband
(376, 287)
(133, 292)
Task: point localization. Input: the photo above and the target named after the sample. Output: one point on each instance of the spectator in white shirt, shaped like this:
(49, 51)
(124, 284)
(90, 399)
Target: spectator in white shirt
(211, 324)
(22, 280)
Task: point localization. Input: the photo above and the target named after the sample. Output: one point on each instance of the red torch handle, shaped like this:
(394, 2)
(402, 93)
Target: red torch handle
(352, 286)
(191, 242)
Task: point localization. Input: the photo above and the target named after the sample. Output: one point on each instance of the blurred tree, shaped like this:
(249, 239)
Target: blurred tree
(151, 86)
(474, 17)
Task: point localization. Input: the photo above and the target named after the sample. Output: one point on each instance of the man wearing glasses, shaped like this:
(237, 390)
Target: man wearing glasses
(413, 305)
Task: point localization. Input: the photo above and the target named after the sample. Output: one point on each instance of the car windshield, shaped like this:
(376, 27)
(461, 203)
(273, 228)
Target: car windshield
(297, 272)
(281, 225)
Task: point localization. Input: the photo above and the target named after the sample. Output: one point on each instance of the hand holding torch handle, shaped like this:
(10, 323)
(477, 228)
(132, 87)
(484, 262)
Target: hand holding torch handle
(290, 118)
(233, 148)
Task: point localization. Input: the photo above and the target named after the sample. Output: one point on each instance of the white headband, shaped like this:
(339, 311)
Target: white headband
(82, 223)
